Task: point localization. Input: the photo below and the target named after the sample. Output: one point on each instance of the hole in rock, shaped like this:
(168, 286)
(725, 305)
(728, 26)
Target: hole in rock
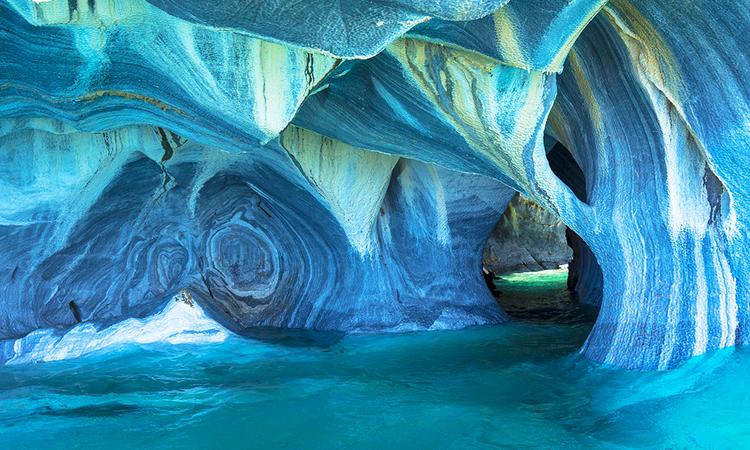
(543, 298)
(535, 264)
(541, 271)
(567, 169)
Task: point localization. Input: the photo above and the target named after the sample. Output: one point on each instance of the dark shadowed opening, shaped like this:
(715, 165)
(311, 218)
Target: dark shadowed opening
(584, 273)
(567, 169)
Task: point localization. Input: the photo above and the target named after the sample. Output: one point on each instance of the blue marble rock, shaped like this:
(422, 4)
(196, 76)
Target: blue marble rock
(258, 238)
(340, 165)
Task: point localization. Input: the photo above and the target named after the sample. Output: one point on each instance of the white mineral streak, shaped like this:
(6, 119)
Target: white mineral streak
(178, 323)
(701, 303)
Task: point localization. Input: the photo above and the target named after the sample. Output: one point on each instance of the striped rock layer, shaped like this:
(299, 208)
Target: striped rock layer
(339, 165)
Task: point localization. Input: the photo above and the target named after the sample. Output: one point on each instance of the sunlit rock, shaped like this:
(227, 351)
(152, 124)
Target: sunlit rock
(527, 238)
(182, 321)
(354, 182)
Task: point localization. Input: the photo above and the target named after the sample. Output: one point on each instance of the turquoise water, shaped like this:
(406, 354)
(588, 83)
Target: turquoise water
(506, 386)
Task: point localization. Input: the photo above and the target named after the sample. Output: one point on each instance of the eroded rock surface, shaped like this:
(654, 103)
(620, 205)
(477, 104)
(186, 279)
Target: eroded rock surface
(340, 164)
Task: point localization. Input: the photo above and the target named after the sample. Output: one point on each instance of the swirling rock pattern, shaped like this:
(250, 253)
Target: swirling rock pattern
(339, 164)
(139, 213)
(130, 63)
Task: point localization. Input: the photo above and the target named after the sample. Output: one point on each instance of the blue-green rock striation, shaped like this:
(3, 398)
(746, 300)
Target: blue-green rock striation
(339, 165)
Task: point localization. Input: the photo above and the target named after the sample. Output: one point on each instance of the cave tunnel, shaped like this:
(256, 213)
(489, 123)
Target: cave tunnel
(539, 269)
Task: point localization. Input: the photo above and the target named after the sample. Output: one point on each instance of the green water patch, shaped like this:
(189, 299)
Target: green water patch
(542, 297)
(537, 282)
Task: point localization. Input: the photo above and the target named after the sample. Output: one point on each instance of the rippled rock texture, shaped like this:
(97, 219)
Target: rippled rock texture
(339, 165)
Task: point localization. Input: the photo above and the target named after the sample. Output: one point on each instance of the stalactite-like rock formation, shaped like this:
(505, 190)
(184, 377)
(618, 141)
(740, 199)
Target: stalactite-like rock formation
(339, 165)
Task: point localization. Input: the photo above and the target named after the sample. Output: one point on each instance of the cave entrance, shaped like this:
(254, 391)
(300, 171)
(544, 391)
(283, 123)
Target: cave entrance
(541, 271)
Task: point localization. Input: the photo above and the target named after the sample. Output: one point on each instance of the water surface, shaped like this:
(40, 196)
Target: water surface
(514, 385)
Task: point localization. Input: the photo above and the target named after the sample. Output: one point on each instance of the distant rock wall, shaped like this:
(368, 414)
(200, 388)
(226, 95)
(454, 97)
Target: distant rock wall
(527, 238)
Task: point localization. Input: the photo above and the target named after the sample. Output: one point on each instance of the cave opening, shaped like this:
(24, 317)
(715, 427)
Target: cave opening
(539, 270)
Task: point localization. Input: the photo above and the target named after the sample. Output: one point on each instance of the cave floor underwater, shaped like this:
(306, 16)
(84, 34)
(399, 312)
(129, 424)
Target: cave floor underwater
(522, 384)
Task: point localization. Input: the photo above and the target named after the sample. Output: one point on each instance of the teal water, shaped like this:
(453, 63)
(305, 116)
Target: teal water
(517, 385)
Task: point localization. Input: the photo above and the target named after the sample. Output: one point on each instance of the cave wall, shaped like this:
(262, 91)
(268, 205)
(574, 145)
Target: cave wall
(526, 239)
(660, 213)
(668, 219)
(340, 165)
(139, 213)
